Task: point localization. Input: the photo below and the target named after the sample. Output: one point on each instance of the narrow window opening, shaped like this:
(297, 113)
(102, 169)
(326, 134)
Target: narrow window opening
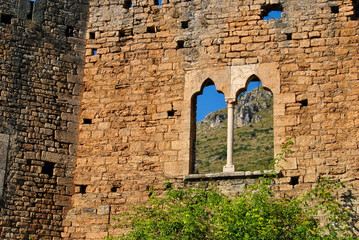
(289, 36)
(294, 181)
(5, 18)
(184, 24)
(334, 9)
(253, 147)
(180, 44)
(271, 11)
(114, 189)
(87, 121)
(151, 29)
(127, 4)
(92, 35)
(157, 2)
(48, 168)
(82, 188)
(28, 162)
(29, 16)
(94, 52)
(210, 130)
(69, 31)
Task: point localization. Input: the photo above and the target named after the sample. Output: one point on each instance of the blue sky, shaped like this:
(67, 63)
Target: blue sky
(211, 100)
(273, 15)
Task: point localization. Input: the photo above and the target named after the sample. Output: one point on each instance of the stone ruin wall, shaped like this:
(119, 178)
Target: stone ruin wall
(142, 66)
(135, 123)
(41, 60)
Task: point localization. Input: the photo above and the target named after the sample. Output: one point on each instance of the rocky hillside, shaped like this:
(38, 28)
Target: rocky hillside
(253, 140)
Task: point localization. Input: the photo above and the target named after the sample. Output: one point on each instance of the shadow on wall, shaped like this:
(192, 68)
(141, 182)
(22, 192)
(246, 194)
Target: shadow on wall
(355, 9)
(347, 198)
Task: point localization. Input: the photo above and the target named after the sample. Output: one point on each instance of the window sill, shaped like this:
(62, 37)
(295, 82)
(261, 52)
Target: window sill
(226, 175)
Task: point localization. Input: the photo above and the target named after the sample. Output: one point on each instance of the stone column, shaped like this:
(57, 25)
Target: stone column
(230, 129)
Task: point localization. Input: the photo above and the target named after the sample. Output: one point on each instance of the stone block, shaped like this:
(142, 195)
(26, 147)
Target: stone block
(285, 98)
(311, 178)
(288, 163)
(104, 210)
(172, 169)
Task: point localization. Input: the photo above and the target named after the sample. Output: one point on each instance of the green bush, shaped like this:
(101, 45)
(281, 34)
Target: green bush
(252, 214)
(255, 213)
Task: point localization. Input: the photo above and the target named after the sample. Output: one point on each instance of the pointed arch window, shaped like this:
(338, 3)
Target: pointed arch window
(207, 100)
(247, 124)
(253, 127)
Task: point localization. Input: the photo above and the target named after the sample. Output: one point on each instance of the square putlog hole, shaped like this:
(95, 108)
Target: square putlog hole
(48, 168)
(185, 24)
(334, 9)
(294, 181)
(180, 44)
(87, 121)
(83, 189)
(5, 18)
(304, 103)
(289, 36)
(151, 29)
(127, 4)
(92, 35)
(69, 31)
(171, 113)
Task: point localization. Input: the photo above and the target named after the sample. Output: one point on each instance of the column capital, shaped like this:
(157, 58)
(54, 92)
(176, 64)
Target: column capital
(231, 101)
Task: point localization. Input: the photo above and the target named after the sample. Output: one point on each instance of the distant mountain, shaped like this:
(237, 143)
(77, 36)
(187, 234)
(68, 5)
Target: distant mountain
(253, 106)
(253, 141)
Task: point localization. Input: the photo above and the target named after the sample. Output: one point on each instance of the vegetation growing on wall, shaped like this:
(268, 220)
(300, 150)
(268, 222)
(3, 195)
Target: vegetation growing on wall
(252, 214)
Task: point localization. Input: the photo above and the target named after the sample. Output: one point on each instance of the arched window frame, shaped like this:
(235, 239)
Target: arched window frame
(230, 81)
(206, 83)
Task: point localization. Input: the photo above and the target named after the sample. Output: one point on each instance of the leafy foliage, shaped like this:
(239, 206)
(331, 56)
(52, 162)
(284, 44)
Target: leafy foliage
(252, 214)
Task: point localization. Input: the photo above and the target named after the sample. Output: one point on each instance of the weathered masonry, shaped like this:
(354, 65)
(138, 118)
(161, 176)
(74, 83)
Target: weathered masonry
(97, 100)
(41, 65)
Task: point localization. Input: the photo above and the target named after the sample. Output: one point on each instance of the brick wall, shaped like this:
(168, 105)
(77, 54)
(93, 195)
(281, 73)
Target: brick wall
(128, 141)
(135, 123)
(40, 71)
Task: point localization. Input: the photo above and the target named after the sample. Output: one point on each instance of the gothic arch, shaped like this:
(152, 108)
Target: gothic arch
(192, 158)
(230, 81)
(253, 77)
